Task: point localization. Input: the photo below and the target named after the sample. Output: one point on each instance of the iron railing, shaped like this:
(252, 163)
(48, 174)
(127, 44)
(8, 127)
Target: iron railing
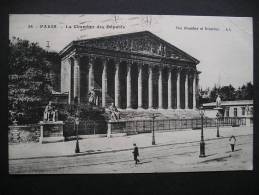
(90, 127)
(85, 127)
(146, 126)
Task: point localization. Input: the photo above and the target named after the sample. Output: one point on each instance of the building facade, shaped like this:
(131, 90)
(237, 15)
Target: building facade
(237, 108)
(135, 71)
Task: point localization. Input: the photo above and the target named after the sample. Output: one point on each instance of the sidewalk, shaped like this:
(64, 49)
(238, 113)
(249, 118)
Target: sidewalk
(103, 144)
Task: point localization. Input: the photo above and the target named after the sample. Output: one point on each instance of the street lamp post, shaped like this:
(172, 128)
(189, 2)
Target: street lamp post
(218, 124)
(153, 130)
(77, 149)
(202, 143)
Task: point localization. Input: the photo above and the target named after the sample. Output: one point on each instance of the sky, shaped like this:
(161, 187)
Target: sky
(223, 45)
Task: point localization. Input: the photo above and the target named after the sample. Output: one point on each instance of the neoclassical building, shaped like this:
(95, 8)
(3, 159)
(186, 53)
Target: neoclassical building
(135, 71)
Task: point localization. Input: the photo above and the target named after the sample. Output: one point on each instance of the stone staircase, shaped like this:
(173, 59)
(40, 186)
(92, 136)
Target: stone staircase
(139, 114)
(109, 99)
(181, 114)
(142, 114)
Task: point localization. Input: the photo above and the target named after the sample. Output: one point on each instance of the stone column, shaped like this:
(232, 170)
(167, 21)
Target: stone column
(178, 89)
(194, 90)
(160, 89)
(70, 95)
(77, 78)
(117, 85)
(150, 87)
(169, 89)
(128, 85)
(186, 91)
(104, 83)
(91, 73)
(140, 86)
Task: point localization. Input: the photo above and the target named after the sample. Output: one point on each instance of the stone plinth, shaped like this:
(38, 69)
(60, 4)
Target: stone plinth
(51, 131)
(220, 110)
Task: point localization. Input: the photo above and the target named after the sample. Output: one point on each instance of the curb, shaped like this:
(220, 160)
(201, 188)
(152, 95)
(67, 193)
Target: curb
(118, 150)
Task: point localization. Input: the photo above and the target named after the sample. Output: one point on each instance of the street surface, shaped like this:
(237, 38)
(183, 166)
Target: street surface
(170, 157)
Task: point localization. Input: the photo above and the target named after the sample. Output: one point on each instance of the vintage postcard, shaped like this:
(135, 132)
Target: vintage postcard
(129, 94)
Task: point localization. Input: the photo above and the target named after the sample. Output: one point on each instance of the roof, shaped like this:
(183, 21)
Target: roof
(77, 42)
(230, 103)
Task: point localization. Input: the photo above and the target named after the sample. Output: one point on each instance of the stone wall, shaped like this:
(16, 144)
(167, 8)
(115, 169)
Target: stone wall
(90, 127)
(23, 134)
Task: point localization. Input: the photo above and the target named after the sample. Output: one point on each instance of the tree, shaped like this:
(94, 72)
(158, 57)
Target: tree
(29, 86)
(227, 93)
(245, 92)
(248, 91)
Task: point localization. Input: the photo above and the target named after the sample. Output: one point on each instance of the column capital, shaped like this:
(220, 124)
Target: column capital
(92, 58)
(129, 65)
(130, 61)
(105, 59)
(192, 70)
(150, 69)
(104, 63)
(165, 65)
(169, 72)
(150, 65)
(117, 60)
(138, 62)
(160, 67)
(179, 69)
(187, 71)
(77, 57)
(170, 68)
(140, 65)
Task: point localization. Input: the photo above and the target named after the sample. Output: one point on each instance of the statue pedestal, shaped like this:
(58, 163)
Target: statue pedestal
(219, 109)
(51, 131)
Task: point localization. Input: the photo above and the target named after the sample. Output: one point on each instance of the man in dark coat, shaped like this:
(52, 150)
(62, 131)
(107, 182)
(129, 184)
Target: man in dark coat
(135, 154)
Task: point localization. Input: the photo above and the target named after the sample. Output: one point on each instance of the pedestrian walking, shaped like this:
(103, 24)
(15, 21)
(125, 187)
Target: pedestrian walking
(232, 142)
(135, 153)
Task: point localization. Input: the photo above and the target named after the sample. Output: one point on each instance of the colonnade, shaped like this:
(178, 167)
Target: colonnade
(186, 72)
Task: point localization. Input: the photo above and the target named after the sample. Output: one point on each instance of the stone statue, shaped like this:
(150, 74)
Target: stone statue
(93, 97)
(218, 102)
(47, 112)
(50, 113)
(54, 115)
(115, 114)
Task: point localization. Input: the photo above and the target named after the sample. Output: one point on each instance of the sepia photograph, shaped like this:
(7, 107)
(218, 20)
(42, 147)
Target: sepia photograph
(124, 93)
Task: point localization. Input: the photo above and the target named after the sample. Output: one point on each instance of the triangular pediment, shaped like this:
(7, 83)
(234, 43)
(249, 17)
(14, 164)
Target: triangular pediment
(143, 42)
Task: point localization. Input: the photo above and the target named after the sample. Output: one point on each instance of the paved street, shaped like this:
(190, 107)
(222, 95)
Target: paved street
(168, 157)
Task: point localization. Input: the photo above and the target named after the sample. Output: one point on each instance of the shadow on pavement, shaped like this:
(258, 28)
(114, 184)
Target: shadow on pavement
(234, 151)
(210, 155)
(144, 162)
(224, 158)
